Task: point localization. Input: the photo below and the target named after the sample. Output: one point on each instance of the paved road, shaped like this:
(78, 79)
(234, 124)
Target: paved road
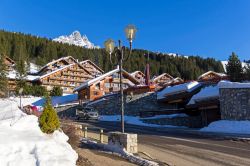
(183, 147)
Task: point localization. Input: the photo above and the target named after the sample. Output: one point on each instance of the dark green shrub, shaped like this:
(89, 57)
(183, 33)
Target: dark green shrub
(56, 91)
(48, 121)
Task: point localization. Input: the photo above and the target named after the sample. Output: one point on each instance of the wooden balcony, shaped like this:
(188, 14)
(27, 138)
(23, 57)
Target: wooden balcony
(77, 75)
(57, 84)
(67, 79)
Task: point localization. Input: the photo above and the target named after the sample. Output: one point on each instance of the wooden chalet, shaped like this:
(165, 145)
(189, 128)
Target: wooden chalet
(140, 76)
(91, 67)
(162, 79)
(174, 81)
(212, 77)
(208, 106)
(10, 64)
(67, 73)
(56, 64)
(105, 84)
(67, 77)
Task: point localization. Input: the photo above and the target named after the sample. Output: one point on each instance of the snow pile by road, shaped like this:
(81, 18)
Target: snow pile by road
(168, 116)
(22, 142)
(121, 152)
(228, 84)
(189, 87)
(206, 93)
(226, 126)
(131, 120)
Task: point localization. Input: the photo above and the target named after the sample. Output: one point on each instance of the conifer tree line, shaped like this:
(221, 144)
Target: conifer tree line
(236, 71)
(40, 51)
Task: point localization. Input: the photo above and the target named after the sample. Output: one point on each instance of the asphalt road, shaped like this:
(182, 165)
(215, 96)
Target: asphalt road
(183, 146)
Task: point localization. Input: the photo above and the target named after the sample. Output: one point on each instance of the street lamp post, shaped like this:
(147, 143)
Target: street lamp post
(119, 53)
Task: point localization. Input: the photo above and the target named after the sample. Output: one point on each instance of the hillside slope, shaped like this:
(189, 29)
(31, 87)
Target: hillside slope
(42, 50)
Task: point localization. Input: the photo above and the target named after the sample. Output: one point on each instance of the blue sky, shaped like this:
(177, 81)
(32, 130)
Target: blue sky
(211, 28)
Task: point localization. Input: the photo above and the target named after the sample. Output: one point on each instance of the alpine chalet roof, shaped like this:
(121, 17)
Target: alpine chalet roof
(160, 76)
(58, 60)
(110, 73)
(137, 72)
(212, 72)
(92, 63)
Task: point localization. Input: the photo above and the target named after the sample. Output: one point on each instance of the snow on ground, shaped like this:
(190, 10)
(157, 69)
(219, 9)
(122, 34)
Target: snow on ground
(190, 86)
(34, 68)
(23, 143)
(167, 116)
(228, 84)
(131, 120)
(227, 126)
(205, 93)
(224, 63)
(58, 100)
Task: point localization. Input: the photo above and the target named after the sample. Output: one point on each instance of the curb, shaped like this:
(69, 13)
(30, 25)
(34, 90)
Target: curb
(120, 152)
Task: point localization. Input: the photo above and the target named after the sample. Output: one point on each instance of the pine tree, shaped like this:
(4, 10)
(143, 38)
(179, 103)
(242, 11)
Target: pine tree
(49, 121)
(247, 72)
(3, 78)
(234, 68)
(21, 66)
(56, 91)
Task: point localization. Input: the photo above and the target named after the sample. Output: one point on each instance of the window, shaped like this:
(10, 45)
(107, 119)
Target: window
(97, 86)
(107, 84)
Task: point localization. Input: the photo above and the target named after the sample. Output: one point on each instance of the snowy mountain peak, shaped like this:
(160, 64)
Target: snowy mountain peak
(76, 39)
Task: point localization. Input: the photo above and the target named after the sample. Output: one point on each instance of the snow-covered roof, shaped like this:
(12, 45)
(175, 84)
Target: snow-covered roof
(228, 84)
(135, 72)
(13, 75)
(205, 93)
(212, 72)
(186, 87)
(64, 67)
(54, 61)
(90, 82)
(86, 61)
(158, 77)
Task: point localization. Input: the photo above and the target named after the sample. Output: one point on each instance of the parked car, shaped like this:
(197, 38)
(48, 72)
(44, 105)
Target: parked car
(86, 113)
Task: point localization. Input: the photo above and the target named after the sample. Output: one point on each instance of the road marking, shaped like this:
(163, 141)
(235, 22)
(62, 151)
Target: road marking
(197, 142)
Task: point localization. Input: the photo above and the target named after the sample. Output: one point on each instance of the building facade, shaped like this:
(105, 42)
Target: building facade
(105, 84)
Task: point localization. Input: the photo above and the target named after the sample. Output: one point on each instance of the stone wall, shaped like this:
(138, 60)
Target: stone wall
(235, 103)
(133, 104)
(190, 121)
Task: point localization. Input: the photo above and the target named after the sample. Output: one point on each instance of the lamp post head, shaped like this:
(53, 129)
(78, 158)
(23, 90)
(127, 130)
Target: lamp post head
(109, 45)
(130, 31)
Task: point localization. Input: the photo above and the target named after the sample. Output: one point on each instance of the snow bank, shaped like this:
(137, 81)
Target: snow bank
(121, 152)
(130, 120)
(58, 100)
(228, 84)
(22, 142)
(226, 126)
(9, 107)
(205, 93)
(190, 86)
(168, 116)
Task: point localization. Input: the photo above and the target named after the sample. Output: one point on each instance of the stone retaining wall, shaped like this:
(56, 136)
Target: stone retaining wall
(133, 104)
(235, 103)
(191, 121)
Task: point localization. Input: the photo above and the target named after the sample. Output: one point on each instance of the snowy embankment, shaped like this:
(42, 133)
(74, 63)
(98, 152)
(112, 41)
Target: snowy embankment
(186, 87)
(22, 143)
(209, 92)
(227, 126)
(135, 120)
